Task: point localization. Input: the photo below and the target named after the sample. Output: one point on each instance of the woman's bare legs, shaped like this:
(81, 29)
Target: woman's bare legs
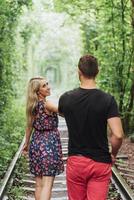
(38, 187)
(47, 184)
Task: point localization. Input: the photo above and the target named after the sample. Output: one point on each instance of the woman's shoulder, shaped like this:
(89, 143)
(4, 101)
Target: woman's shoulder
(50, 106)
(39, 107)
(41, 103)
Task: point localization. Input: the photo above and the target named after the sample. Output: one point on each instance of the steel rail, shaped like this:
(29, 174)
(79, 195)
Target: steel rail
(121, 185)
(10, 170)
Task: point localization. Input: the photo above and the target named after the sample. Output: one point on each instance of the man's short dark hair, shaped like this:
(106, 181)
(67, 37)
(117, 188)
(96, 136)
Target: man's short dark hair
(88, 65)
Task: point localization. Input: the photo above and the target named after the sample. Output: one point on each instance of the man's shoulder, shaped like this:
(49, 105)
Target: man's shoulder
(69, 93)
(105, 94)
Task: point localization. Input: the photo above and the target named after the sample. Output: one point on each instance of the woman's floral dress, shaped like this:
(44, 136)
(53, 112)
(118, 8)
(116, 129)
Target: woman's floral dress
(45, 151)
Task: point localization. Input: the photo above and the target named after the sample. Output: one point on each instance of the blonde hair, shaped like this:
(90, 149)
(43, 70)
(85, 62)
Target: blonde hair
(32, 98)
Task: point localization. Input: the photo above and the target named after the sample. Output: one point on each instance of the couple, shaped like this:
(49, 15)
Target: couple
(87, 111)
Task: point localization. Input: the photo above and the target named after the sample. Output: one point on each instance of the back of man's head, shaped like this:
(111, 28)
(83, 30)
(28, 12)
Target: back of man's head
(88, 65)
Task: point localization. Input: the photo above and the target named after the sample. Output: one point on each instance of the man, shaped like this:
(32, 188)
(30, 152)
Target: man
(87, 111)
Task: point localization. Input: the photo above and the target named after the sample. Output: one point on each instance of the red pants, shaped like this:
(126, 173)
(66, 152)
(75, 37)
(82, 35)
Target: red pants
(87, 179)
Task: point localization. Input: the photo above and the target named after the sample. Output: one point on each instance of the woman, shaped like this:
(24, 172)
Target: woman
(45, 151)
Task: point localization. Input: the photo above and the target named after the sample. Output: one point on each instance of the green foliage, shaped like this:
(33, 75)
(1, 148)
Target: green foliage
(108, 32)
(11, 66)
(9, 14)
(11, 133)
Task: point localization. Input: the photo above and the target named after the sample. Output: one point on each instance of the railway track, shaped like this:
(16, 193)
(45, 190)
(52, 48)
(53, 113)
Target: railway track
(123, 177)
(120, 188)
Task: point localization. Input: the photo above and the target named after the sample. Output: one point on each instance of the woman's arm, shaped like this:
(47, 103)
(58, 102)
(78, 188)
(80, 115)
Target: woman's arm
(51, 107)
(28, 134)
(27, 139)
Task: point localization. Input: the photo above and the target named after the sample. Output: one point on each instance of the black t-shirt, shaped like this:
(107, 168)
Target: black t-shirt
(86, 112)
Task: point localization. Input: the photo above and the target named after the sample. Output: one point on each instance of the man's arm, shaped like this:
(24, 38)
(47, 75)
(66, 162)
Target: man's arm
(116, 134)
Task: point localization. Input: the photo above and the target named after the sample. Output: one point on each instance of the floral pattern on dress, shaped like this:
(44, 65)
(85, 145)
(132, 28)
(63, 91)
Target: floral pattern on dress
(45, 153)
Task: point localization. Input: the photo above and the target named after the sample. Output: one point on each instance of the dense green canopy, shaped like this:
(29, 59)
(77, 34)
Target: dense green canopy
(47, 38)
